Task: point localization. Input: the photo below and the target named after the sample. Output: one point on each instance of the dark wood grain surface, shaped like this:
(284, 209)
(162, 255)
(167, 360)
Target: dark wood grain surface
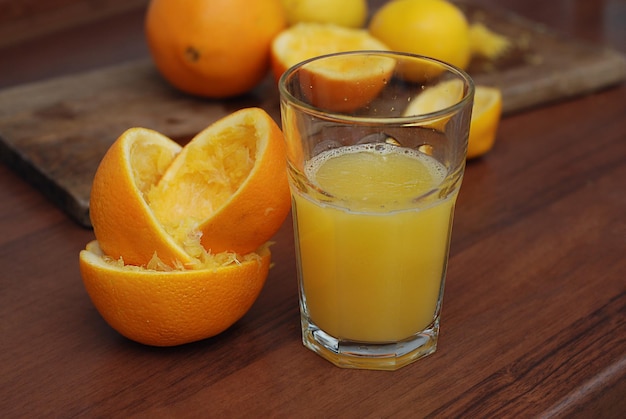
(534, 317)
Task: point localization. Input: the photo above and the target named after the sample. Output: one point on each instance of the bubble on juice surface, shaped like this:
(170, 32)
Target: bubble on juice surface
(326, 145)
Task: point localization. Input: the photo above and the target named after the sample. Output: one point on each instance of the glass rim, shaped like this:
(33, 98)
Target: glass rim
(285, 94)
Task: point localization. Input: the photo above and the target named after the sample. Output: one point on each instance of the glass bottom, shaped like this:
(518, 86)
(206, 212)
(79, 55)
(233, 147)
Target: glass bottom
(371, 356)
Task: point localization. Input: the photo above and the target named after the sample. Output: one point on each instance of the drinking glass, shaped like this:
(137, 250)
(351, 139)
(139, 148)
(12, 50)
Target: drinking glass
(376, 145)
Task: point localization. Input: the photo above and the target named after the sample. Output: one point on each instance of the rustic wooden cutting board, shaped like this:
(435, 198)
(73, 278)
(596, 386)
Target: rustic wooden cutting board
(55, 132)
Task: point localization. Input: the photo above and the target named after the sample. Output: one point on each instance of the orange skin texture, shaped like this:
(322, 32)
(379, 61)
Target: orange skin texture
(123, 222)
(259, 206)
(307, 40)
(152, 197)
(213, 48)
(252, 217)
(127, 226)
(340, 93)
(172, 308)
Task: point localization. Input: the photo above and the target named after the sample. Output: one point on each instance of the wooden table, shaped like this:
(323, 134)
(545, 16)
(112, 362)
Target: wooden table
(534, 317)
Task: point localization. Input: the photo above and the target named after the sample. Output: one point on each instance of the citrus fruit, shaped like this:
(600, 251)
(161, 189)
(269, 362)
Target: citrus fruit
(486, 114)
(307, 40)
(121, 218)
(486, 111)
(487, 43)
(345, 83)
(433, 28)
(213, 48)
(154, 208)
(167, 308)
(229, 184)
(349, 13)
(150, 197)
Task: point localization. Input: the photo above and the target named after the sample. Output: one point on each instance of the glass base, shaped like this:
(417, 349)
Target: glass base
(371, 356)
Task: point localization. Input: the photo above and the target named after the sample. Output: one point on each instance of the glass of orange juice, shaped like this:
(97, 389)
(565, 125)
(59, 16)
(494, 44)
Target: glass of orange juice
(376, 145)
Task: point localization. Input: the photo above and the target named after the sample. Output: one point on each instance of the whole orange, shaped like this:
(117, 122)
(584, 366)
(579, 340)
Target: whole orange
(213, 48)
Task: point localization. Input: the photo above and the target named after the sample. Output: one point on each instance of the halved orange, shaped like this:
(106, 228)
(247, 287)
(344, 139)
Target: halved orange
(345, 83)
(228, 185)
(339, 84)
(307, 40)
(122, 221)
(181, 250)
(226, 190)
(486, 112)
(167, 308)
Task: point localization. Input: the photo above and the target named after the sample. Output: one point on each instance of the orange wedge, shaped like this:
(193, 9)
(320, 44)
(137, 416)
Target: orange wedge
(167, 308)
(228, 186)
(486, 112)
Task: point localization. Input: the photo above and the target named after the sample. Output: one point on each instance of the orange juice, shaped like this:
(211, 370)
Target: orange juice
(373, 245)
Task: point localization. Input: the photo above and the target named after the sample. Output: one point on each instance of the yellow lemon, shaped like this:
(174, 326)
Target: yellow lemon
(486, 112)
(348, 13)
(434, 28)
(486, 115)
